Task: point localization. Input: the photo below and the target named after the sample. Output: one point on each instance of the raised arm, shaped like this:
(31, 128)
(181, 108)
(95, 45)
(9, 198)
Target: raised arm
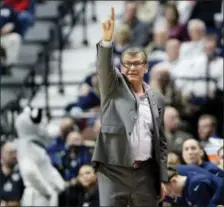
(106, 73)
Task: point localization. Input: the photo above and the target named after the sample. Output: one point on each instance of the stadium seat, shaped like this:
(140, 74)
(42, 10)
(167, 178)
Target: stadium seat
(28, 55)
(48, 11)
(39, 33)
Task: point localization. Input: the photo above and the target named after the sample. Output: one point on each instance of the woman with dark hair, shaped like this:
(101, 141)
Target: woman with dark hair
(194, 154)
(175, 29)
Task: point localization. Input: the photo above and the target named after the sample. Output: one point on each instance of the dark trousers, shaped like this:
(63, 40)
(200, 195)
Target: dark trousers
(123, 186)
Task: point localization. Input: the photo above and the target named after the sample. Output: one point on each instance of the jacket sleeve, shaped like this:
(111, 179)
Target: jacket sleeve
(32, 173)
(107, 75)
(163, 143)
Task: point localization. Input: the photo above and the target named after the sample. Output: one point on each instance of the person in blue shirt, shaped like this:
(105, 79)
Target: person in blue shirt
(74, 156)
(194, 186)
(193, 154)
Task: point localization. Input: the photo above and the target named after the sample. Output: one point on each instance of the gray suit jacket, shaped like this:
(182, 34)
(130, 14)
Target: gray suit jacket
(119, 111)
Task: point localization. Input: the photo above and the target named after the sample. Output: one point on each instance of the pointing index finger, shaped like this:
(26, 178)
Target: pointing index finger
(112, 14)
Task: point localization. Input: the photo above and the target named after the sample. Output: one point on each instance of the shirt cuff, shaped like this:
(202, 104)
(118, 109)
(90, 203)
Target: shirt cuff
(106, 43)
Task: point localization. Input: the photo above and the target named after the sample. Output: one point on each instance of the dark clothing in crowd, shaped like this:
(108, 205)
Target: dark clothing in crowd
(212, 168)
(79, 196)
(11, 186)
(8, 15)
(202, 188)
(26, 11)
(55, 150)
(208, 17)
(177, 32)
(68, 166)
(85, 102)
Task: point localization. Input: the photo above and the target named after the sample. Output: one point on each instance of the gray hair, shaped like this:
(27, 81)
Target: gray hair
(198, 22)
(133, 51)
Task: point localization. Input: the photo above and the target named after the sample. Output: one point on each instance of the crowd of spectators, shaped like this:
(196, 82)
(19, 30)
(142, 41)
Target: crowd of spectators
(182, 42)
(16, 17)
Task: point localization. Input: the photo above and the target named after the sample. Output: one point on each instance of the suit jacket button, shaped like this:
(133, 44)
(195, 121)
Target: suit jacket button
(135, 117)
(129, 133)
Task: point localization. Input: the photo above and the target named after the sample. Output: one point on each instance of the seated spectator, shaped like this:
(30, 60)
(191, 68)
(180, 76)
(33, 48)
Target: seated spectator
(25, 9)
(88, 96)
(161, 82)
(121, 42)
(139, 30)
(186, 72)
(207, 65)
(195, 186)
(196, 30)
(57, 147)
(173, 52)
(74, 156)
(85, 191)
(172, 128)
(155, 50)
(210, 59)
(9, 33)
(175, 29)
(179, 69)
(221, 158)
(192, 154)
(11, 185)
(207, 125)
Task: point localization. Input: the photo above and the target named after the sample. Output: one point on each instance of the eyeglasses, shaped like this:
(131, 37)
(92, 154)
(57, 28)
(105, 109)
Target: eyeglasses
(137, 65)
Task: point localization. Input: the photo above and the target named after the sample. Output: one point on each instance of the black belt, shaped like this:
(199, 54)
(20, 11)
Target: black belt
(140, 164)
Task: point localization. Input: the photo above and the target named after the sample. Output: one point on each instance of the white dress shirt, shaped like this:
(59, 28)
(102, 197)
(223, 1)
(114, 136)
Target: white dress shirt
(141, 137)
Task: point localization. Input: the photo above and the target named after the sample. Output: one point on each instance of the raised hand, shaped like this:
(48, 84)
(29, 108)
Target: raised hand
(108, 27)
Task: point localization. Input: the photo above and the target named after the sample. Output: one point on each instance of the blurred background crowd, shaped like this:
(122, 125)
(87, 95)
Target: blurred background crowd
(183, 41)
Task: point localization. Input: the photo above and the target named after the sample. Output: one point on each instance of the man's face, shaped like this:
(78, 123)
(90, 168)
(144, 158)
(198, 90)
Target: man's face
(87, 176)
(74, 139)
(171, 120)
(173, 187)
(205, 129)
(196, 33)
(133, 67)
(9, 155)
(192, 154)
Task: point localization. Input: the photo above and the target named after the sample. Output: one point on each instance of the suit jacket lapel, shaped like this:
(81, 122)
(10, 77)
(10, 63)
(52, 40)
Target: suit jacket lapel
(152, 102)
(153, 106)
(154, 111)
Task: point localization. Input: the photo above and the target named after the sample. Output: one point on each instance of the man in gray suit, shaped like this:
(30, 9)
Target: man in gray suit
(131, 150)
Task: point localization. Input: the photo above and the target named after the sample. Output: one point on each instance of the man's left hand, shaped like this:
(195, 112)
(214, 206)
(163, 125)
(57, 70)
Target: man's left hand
(163, 191)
